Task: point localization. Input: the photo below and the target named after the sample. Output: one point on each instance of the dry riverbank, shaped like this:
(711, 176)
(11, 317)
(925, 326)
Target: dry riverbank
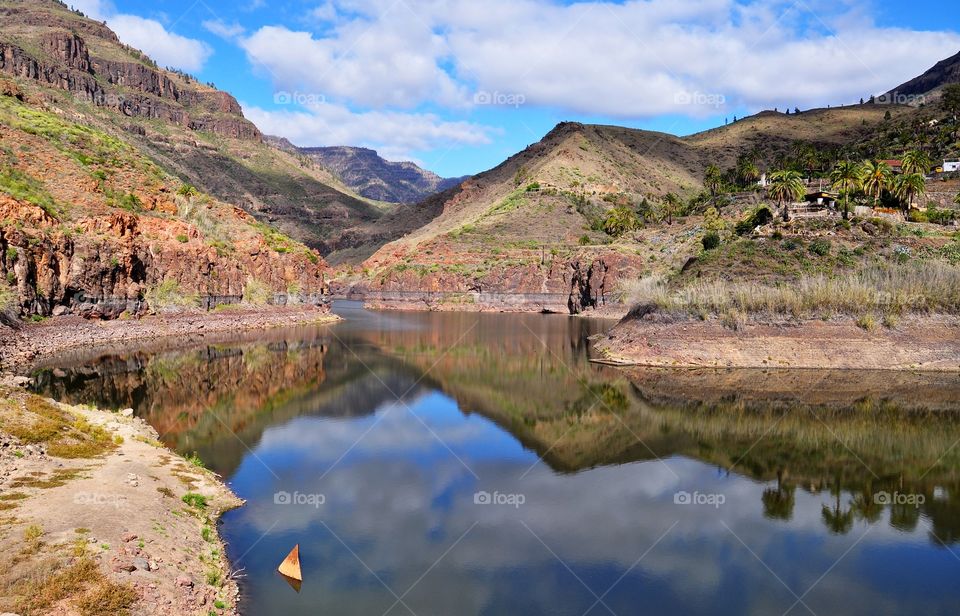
(32, 343)
(914, 343)
(96, 517)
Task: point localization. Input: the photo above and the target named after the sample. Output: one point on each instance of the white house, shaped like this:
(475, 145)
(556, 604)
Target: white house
(951, 164)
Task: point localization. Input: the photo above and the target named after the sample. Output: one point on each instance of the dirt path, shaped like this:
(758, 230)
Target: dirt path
(96, 517)
(32, 343)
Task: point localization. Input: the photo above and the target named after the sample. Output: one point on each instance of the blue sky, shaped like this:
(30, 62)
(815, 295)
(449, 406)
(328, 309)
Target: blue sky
(460, 85)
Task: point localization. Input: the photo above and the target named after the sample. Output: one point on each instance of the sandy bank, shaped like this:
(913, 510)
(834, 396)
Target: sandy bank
(915, 343)
(32, 343)
(93, 513)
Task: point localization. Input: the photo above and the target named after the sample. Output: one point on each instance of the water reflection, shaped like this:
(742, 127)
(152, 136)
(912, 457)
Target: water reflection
(400, 420)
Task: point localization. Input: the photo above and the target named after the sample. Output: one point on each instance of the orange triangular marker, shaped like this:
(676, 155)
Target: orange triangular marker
(290, 566)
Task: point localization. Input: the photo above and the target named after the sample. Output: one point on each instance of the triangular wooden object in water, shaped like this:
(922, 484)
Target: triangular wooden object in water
(290, 566)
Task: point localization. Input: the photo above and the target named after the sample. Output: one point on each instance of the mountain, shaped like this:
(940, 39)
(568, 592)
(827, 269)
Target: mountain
(191, 130)
(117, 181)
(373, 177)
(943, 73)
(533, 228)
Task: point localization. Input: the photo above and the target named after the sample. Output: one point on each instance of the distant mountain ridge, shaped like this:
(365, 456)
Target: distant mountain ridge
(370, 175)
(942, 74)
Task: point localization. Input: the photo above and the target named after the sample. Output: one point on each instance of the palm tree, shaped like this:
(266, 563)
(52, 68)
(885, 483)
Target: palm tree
(747, 170)
(917, 161)
(778, 503)
(866, 507)
(786, 186)
(876, 178)
(838, 521)
(846, 178)
(904, 517)
(907, 187)
(671, 204)
(713, 180)
(805, 156)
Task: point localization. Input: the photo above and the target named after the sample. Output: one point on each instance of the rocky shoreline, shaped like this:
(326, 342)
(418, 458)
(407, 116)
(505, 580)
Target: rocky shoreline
(139, 521)
(130, 528)
(32, 343)
(923, 343)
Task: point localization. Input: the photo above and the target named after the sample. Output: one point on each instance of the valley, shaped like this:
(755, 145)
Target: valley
(221, 339)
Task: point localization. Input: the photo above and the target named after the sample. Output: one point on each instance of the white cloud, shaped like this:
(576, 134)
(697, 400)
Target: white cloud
(393, 134)
(94, 9)
(167, 48)
(224, 29)
(394, 63)
(631, 60)
(149, 36)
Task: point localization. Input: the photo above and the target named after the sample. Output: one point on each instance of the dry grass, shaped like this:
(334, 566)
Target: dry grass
(921, 288)
(33, 420)
(82, 583)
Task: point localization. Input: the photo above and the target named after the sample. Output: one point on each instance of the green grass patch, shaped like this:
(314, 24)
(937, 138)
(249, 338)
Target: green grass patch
(23, 187)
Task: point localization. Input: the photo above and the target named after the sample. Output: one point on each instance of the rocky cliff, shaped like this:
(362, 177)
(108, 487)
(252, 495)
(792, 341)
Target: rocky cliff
(373, 177)
(191, 130)
(90, 226)
(61, 58)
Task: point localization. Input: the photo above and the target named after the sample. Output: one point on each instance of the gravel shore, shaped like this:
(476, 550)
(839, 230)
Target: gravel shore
(32, 343)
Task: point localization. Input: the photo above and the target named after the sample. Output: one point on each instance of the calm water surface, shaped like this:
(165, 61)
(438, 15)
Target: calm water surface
(456, 464)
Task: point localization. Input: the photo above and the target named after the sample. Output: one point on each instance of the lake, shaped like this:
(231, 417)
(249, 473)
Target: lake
(457, 464)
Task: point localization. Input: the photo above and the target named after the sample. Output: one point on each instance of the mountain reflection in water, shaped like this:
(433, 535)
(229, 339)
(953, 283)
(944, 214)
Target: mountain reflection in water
(400, 419)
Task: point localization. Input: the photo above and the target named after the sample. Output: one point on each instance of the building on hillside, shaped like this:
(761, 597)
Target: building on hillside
(951, 165)
(896, 165)
(821, 197)
(817, 204)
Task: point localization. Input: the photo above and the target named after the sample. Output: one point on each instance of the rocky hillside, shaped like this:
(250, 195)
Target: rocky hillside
(542, 227)
(90, 225)
(943, 73)
(371, 176)
(192, 130)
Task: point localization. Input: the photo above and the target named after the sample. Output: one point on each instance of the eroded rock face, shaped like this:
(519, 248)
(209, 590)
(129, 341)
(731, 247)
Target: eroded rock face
(130, 87)
(104, 274)
(574, 285)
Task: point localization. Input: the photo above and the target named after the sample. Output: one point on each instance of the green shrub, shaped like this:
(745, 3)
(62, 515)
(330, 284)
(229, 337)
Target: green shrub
(758, 218)
(941, 217)
(187, 190)
(257, 293)
(168, 294)
(584, 240)
(23, 187)
(197, 501)
(711, 240)
(821, 246)
(183, 239)
(917, 216)
(621, 220)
